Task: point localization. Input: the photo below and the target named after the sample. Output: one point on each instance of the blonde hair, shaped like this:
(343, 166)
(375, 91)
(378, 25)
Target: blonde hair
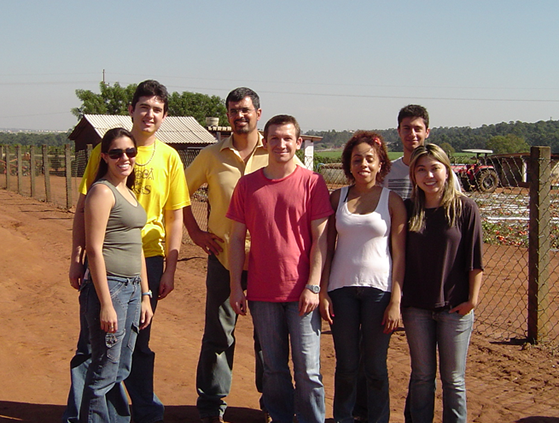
(450, 200)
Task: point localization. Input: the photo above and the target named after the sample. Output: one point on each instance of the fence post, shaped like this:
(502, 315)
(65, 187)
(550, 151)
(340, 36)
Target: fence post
(8, 170)
(538, 251)
(68, 171)
(19, 163)
(2, 153)
(46, 171)
(32, 165)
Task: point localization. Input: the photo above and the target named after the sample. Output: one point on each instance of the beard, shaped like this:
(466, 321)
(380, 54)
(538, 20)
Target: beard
(240, 130)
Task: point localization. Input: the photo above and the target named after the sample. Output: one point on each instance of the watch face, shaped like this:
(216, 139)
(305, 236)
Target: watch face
(314, 288)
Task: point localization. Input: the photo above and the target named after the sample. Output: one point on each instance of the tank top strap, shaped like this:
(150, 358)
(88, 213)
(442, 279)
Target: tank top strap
(344, 193)
(108, 184)
(382, 206)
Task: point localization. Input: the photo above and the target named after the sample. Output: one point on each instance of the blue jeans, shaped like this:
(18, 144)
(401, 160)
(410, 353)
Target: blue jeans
(278, 325)
(358, 334)
(215, 365)
(146, 407)
(104, 399)
(449, 332)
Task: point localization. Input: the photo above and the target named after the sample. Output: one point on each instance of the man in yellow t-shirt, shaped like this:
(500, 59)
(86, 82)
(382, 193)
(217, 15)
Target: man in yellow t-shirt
(161, 190)
(220, 166)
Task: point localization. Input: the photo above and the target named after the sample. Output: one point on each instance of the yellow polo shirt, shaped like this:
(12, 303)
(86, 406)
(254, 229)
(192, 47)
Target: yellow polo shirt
(220, 166)
(160, 186)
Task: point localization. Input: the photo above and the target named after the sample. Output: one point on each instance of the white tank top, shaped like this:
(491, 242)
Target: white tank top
(362, 256)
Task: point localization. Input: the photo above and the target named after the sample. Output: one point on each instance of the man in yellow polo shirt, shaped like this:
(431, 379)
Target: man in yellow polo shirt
(161, 190)
(220, 166)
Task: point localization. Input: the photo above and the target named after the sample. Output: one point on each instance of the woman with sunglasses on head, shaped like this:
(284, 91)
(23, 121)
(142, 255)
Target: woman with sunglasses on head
(114, 298)
(441, 286)
(363, 274)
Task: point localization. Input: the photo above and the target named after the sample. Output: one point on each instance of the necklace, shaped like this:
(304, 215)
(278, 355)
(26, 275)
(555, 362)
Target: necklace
(150, 159)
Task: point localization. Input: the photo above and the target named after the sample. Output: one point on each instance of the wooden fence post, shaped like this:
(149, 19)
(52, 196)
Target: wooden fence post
(539, 243)
(46, 171)
(2, 154)
(8, 170)
(19, 169)
(68, 171)
(32, 166)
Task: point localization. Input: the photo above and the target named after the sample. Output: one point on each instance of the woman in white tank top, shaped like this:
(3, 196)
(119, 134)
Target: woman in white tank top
(362, 280)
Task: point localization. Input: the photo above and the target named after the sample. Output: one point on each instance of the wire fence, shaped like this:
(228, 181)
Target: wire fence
(51, 183)
(517, 195)
(520, 217)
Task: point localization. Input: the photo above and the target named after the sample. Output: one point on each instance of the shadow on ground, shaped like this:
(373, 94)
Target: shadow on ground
(11, 412)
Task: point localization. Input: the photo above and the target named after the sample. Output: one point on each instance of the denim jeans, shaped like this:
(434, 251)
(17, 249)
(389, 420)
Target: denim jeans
(278, 325)
(104, 399)
(146, 407)
(358, 334)
(215, 365)
(449, 332)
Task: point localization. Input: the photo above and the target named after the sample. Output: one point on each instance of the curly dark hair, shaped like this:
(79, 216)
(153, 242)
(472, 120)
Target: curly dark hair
(374, 140)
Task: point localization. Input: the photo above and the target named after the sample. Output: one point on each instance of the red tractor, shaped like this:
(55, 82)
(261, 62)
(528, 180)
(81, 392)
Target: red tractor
(480, 175)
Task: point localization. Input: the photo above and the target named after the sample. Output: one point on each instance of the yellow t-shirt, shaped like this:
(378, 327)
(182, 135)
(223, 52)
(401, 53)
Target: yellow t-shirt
(160, 186)
(220, 166)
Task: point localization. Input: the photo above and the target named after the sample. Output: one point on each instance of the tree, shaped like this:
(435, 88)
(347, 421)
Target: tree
(114, 100)
(448, 149)
(200, 106)
(111, 101)
(506, 144)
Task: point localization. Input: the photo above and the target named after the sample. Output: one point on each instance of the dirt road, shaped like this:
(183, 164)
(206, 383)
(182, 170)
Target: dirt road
(39, 327)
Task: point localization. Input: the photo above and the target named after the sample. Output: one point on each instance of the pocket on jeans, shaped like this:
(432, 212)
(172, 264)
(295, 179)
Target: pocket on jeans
(111, 342)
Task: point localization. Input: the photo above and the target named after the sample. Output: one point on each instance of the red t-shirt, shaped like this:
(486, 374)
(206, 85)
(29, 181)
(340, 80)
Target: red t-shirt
(278, 215)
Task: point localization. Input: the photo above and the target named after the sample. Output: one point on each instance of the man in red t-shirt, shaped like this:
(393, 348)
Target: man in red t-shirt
(284, 207)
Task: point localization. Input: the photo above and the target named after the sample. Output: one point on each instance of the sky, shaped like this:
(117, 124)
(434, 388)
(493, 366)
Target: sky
(333, 65)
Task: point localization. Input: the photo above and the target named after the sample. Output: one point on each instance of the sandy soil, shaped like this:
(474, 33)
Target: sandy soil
(39, 326)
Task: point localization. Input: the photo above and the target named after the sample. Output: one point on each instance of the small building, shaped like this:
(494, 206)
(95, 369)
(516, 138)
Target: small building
(183, 133)
(222, 132)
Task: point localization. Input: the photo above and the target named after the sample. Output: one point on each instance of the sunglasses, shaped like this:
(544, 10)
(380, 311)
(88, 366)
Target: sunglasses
(117, 153)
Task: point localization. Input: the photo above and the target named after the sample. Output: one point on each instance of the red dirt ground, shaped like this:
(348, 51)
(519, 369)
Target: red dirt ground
(506, 383)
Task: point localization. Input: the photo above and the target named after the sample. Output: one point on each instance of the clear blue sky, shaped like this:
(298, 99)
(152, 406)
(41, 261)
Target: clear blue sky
(332, 64)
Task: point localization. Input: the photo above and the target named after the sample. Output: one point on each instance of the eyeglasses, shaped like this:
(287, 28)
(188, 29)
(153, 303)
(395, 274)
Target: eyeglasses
(117, 153)
(243, 111)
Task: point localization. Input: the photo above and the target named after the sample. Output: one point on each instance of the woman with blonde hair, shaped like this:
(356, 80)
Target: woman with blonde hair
(441, 285)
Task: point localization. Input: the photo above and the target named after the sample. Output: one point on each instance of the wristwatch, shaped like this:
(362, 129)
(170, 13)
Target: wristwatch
(149, 294)
(315, 289)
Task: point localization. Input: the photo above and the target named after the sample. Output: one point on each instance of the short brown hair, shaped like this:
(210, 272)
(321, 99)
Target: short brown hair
(282, 120)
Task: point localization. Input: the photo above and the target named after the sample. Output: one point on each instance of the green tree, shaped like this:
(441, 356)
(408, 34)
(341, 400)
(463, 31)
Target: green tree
(506, 144)
(448, 149)
(114, 100)
(199, 106)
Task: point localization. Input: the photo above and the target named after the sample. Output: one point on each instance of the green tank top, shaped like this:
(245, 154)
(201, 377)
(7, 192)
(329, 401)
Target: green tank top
(122, 247)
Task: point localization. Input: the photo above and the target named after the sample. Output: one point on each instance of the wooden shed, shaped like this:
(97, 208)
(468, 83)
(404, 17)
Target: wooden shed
(181, 132)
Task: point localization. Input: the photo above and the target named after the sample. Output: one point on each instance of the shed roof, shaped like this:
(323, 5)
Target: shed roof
(173, 130)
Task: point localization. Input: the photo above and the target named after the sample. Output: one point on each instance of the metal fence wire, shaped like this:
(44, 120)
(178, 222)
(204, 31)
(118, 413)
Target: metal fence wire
(504, 313)
(518, 198)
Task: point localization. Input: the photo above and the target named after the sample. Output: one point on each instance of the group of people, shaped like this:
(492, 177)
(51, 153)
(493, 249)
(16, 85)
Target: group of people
(400, 242)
